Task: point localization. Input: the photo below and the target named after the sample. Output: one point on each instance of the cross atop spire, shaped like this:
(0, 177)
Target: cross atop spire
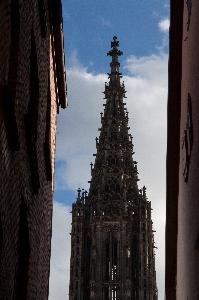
(115, 51)
(114, 86)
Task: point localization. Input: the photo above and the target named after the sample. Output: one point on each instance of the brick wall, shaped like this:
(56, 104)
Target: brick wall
(27, 147)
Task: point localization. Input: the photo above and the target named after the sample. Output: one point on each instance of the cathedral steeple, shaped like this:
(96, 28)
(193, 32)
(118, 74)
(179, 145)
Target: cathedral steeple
(112, 256)
(114, 169)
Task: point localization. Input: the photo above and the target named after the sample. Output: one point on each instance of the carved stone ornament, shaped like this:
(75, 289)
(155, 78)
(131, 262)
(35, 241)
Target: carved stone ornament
(111, 227)
(112, 210)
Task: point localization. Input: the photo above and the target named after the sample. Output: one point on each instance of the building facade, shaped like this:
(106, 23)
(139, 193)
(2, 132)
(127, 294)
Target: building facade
(182, 220)
(32, 88)
(112, 243)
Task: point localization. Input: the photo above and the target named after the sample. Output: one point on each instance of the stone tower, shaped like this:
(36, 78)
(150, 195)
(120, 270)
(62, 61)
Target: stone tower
(112, 245)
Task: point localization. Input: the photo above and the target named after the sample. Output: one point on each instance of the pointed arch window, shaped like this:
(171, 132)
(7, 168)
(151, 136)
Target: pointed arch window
(114, 259)
(110, 292)
(23, 254)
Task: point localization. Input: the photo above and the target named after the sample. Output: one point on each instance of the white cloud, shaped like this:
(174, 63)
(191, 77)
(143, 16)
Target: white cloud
(164, 25)
(60, 252)
(73, 61)
(146, 85)
(105, 22)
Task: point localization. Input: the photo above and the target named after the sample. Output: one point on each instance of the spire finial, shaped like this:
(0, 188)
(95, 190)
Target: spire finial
(115, 75)
(115, 43)
(115, 51)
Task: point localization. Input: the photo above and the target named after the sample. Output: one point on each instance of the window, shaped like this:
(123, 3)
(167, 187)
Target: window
(107, 270)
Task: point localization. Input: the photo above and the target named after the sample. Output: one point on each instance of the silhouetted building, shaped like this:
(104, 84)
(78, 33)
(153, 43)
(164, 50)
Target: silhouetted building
(182, 220)
(112, 245)
(32, 87)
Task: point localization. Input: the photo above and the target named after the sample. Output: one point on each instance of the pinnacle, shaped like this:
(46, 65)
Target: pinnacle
(114, 75)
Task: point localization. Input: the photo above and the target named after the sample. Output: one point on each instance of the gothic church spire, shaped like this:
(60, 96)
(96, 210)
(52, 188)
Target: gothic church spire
(114, 176)
(112, 254)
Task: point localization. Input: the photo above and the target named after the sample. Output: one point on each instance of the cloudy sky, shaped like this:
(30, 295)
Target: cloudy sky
(142, 29)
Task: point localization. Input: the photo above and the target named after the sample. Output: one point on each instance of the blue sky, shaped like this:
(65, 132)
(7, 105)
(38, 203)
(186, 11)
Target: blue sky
(142, 29)
(90, 25)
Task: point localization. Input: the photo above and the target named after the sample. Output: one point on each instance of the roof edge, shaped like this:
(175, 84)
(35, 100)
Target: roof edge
(57, 24)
